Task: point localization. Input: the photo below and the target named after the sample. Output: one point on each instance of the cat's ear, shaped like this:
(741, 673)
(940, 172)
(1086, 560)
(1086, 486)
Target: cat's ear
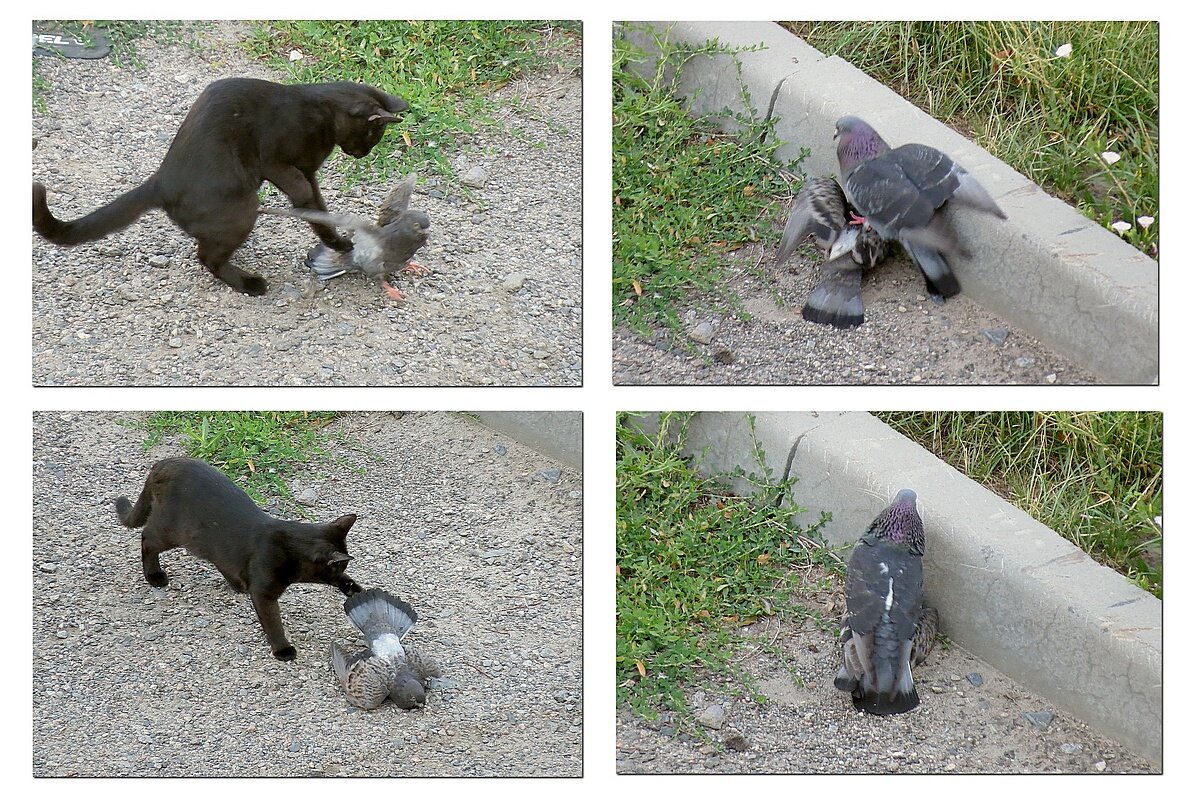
(383, 115)
(342, 524)
(337, 558)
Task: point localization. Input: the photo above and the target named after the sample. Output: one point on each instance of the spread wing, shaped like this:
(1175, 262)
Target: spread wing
(397, 202)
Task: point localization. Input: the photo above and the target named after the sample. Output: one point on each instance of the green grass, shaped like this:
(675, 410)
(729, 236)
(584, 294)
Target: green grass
(684, 195)
(1094, 477)
(446, 70)
(1050, 118)
(258, 450)
(694, 563)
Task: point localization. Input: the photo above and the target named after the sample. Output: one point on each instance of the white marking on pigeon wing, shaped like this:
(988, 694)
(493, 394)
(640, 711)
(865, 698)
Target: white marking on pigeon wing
(887, 601)
(883, 568)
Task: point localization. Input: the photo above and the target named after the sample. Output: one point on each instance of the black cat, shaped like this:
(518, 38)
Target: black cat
(187, 503)
(239, 133)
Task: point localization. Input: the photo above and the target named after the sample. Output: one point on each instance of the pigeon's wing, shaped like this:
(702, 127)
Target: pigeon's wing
(366, 679)
(850, 673)
(321, 217)
(421, 665)
(837, 299)
(940, 178)
(819, 210)
(377, 614)
(925, 637)
(397, 201)
(329, 263)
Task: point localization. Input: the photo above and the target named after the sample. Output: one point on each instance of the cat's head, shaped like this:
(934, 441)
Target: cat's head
(368, 112)
(336, 558)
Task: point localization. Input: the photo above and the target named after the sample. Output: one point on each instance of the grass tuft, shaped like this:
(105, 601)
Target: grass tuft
(258, 450)
(684, 194)
(694, 563)
(446, 70)
(1050, 117)
(1094, 477)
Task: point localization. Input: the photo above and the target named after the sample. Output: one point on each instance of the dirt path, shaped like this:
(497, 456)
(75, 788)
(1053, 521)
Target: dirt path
(804, 725)
(481, 534)
(502, 307)
(906, 338)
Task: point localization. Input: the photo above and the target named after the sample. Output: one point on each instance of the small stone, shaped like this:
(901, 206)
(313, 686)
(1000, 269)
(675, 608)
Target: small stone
(996, 335)
(1052, 378)
(738, 743)
(1024, 362)
(1071, 748)
(159, 261)
(1039, 719)
(513, 282)
(703, 332)
(476, 177)
(712, 717)
(1100, 766)
(308, 497)
(48, 567)
(175, 342)
(61, 634)
(975, 679)
(294, 747)
(724, 357)
(551, 475)
(501, 449)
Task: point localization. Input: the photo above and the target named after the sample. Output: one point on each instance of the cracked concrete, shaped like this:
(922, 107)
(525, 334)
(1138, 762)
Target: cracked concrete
(1048, 270)
(1009, 590)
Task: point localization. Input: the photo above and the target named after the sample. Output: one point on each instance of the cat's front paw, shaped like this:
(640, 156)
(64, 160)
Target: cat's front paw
(285, 653)
(349, 586)
(157, 578)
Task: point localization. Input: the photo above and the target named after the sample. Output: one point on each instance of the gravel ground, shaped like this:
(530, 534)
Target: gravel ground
(806, 726)
(502, 307)
(481, 534)
(906, 338)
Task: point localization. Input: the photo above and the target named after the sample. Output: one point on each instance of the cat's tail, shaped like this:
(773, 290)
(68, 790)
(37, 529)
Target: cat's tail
(134, 515)
(101, 222)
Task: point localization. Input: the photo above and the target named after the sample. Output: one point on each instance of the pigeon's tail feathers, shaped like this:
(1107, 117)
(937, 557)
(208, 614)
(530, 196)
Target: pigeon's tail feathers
(328, 263)
(377, 614)
(837, 299)
(886, 705)
(925, 637)
(939, 278)
(970, 192)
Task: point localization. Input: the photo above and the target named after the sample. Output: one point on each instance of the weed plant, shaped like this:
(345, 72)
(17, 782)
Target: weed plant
(1094, 477)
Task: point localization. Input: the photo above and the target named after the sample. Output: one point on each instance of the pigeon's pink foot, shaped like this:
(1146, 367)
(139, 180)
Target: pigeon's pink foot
(417, 269)
(392, 291)
(855, 219)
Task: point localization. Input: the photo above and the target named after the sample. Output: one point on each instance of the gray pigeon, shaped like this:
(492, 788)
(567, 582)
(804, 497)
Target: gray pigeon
(386, 668)
(820, 210)
(886, 631)
(902, 194)
(380, 248)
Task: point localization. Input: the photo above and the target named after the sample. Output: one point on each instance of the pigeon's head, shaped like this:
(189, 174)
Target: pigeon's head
(900, 523)
(407, 692)
(856, 142)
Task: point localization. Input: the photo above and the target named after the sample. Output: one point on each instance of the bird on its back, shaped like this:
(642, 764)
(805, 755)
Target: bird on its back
(886, 631)
(902, 193)
(380, 247)
(386, 668)
(820, 210)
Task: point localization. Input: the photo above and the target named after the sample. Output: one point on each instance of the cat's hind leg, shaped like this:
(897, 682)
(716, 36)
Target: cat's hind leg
(152, 545)
(214, 254)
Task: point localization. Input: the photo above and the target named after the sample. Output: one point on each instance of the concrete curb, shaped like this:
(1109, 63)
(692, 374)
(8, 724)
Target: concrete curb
(554, 434)
(1009, 590)
(1049, 270)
